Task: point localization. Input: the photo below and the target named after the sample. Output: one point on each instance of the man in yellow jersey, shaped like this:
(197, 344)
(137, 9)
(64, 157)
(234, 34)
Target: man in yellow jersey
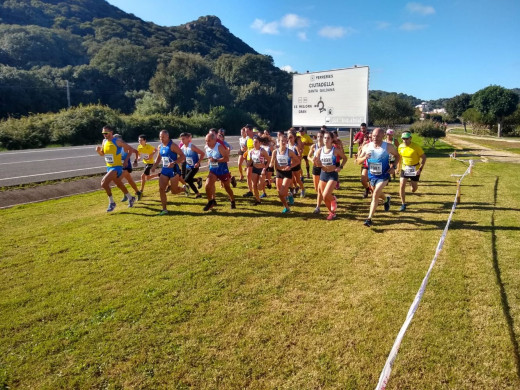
(111, 149)
(413, 160)
(146, 152)
(307, 143)
(249, 145)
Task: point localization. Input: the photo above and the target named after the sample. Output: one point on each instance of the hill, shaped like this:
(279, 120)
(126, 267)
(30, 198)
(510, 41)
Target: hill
(117, 59)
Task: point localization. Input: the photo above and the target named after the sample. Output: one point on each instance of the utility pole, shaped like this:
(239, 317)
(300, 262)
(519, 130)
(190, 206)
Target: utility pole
(68, 93)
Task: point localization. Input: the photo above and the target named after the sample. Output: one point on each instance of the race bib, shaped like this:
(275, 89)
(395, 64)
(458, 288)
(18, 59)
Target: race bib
(165, 162)
(409, 170)
(213, 164)
(376, 168)
(109, 158)
(283, 161)
(326, 161)
(145, 156)
(189, 161)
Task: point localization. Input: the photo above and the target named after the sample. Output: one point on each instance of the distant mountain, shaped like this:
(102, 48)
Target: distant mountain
(106, 55)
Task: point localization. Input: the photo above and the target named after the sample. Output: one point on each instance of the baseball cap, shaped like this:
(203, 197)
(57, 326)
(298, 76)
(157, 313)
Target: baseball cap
(390, 131)
(406, 134)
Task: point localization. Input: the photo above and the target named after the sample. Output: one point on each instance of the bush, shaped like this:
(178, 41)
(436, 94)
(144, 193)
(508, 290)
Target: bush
(26, 132)
(429, 130)
(82, 125)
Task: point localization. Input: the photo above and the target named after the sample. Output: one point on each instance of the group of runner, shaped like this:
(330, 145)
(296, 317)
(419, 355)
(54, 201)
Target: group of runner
(264, 156)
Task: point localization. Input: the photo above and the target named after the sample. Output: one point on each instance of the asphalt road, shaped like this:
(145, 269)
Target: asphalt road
(38, 165)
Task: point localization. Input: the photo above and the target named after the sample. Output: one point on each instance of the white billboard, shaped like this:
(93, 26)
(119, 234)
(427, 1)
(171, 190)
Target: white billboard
(337, 98)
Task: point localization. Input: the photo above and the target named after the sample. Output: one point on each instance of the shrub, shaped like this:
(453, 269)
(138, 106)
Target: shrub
(26, 132)
(82, 125)
(429, 130)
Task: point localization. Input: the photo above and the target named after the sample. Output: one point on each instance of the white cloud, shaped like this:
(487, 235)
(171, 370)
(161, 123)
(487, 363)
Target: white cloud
(412, 27)
(382, 25)
(265, 28)
(287, 68)
(294, 21)
(417, 8)
(336, 32)
(302, 35)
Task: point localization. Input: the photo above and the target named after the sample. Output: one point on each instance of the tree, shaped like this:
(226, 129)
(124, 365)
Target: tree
(496, 102)
(431, 131)
(457, 105)
(390, 110)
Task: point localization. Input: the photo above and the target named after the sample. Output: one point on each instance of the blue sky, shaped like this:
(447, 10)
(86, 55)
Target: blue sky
(431, 50)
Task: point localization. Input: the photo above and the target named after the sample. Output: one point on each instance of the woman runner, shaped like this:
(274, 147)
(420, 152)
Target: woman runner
(284, 159)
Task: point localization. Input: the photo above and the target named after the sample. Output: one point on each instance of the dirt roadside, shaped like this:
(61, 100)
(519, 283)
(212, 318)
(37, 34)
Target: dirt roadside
(485, 153)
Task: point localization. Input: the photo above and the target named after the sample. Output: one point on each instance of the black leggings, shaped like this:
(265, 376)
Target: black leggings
(189, 178)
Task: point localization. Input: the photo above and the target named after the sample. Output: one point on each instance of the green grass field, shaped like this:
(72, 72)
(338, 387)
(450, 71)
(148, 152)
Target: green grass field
(253, 299)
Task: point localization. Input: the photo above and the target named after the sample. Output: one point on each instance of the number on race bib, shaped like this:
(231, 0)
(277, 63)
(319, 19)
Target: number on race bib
(165, 162)
(109, 158)
(282, 161)
(326, 161)
(213, 164)
(145, 156)
(409, 170)
(376, 168)
(189, 161)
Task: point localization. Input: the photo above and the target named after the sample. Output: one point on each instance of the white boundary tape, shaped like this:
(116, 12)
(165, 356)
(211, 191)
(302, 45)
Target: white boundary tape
(387, 369)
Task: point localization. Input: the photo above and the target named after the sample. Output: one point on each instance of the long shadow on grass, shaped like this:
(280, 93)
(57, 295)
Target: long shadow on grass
(503, 294)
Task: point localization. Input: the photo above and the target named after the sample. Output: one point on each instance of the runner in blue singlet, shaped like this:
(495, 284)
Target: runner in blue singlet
(377, 154)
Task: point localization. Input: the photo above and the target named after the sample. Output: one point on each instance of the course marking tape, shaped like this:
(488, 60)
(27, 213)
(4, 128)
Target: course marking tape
(387, 369)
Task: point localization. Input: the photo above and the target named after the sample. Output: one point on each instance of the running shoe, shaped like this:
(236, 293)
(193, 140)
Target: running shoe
(302, 194)
(286, 210)
(199, 182)
(139, 195)
(131, 201)
(316, 210)
(233, 181)
(111, 207)
(256, 202)
(233, 205)
(198, 195)
(368, 222)
(367, 191)
(124, 198)
(290, 198)
(186, 189)
(403, 207)
(268, 184)
(331, 216)
(387, 203)
(163, 212)
(209, 205)
(264, 195)
(248, 194)
(334, 204)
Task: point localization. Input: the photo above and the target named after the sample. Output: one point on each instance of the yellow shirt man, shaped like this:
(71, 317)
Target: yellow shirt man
(146, 152)
(410, 154)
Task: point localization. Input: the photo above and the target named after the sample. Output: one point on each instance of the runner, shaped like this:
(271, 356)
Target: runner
(392, 140)
(411, 154)
(377, 154)
(249, 146)
(316, 170)
(192, 164)
(243, 149)
(362, 138)
(111, 149)
(128, 168)
(267, 143)
(284, 159)
(170, 155)
(331, 160)
(307, 143)
(296, 148)
(221, 137)
(218, 156)
(146, 153)
(258, 159)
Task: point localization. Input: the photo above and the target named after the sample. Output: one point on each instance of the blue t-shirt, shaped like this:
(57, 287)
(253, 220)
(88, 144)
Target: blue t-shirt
(378, 163)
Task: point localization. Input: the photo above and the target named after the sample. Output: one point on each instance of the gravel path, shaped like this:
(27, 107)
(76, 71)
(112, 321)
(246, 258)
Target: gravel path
(486, 154)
